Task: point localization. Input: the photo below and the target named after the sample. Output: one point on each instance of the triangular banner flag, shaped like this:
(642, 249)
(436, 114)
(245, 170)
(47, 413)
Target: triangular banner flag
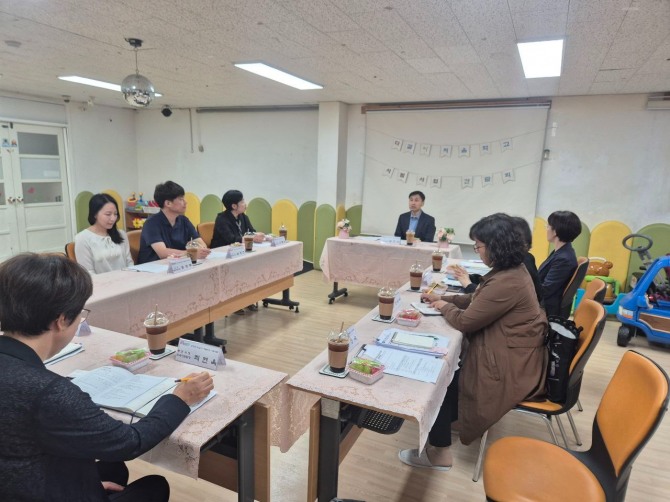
(425, 150)
(445, 151)
(464, 150)
(409, 147)
(436, 182)
(397, 144)
(388, 172)
(466, 182)
(485, 149)
(487, 180)
(508, 176)
(506, 144)
(402, 176)
(422, 180)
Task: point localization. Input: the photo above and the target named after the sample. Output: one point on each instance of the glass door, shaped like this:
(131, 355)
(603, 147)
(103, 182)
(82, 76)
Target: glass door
(9, 234)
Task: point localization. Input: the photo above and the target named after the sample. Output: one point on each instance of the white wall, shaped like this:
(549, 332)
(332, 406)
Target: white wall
(610, 160)
(264, 154)
(103, 153)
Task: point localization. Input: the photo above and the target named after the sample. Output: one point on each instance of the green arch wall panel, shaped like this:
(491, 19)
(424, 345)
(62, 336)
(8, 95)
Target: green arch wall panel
(210, 206)
(581, 243)
(81, 209)
(324, 228)
(355, 216)
(306, 215)
(259, 212)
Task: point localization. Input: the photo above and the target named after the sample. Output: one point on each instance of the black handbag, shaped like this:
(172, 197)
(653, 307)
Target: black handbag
(562, 345)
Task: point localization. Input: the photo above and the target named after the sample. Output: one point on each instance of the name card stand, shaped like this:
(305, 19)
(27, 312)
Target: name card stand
(396, 305)
(200, 354)
(390, 239)
(176, 265)
(277, 241)
(427, 277)
(235, 251)
(353, 337)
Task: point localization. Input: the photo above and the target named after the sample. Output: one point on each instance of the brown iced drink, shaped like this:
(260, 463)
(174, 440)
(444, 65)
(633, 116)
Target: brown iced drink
(193, 254)
(283, 232)
(156, 324)
(415, 276)
(409, 235)
(386, 299)
(248, 242)
(437, 261)
(338, 350)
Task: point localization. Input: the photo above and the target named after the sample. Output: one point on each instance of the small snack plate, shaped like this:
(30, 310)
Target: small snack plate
(366, 378)
(132, 366)
(407, 322)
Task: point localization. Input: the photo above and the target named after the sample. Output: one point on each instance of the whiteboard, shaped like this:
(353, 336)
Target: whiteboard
(468, 163)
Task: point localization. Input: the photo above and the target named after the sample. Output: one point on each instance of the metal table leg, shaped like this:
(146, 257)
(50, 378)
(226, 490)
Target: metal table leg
(245, 456)
(284, 302)
(336, 292)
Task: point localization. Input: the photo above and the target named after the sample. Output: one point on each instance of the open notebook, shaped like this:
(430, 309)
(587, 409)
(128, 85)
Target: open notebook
(119, 389)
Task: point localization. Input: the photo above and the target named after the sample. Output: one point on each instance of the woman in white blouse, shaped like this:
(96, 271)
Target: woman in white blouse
(102, 247)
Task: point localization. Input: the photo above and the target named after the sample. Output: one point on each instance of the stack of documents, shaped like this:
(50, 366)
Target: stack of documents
(475, 267)
(421, 367)
(70, 350)
(419, 343)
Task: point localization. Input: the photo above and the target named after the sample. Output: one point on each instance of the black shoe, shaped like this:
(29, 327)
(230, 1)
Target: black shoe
(214, 340)
(240, 312)
(253, 307)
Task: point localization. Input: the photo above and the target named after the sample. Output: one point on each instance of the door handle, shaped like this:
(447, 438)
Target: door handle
(11, 200)
(19, 199)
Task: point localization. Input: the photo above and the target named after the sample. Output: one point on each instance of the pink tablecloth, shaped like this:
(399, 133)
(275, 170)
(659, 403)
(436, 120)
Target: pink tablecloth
(368, 262)
(238, 385)
(396, 395)
(122, 299)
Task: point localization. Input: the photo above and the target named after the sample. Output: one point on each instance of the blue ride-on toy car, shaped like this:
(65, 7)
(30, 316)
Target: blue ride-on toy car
(646, 309)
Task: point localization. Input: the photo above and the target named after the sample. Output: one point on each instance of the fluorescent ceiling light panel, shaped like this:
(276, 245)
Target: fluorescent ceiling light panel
(541, 59)
(96, 83)
(278, 76)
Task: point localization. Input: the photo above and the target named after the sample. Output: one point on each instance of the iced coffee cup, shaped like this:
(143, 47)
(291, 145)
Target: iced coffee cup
(156, 325)
(409, 235)
(415, 276)
(283, 232)
(338, 350)
(248, 241)
(437, 261)
(386, 297)
(192, 250)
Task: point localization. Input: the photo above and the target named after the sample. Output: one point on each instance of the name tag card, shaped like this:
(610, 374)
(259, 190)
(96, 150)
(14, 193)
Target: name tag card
(277, 241)
(176, 265)
(84, 329)
(353, 337)
(200, 354)
(396, 305)
(427, 278)
(390, 239)
(235, 251)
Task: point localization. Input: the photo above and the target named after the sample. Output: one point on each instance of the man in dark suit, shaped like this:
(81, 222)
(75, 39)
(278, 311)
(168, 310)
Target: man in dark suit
(422, 223)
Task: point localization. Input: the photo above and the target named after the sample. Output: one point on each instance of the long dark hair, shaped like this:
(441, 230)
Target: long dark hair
(96, 203)
(503, 243)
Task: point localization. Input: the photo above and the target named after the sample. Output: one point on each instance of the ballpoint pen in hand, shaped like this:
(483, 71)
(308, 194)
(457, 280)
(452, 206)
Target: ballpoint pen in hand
(185, 379)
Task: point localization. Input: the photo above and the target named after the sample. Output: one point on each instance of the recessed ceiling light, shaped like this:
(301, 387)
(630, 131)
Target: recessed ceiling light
(278, 76)
(95, 83)
(541, 59)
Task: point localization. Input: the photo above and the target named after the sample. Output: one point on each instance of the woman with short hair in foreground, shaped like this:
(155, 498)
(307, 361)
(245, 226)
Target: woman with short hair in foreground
(52, 432)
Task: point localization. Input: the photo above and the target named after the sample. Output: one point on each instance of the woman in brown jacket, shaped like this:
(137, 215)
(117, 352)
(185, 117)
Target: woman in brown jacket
(503, 356)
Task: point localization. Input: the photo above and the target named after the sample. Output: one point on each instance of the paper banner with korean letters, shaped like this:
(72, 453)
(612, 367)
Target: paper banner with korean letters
(466, 181)
(508, 176)
(421, 180)
(506, 144)
(485, 149)
(388, 172)
(445, 151)
(464, 150)
(409, 147)
(425, 149)
(487, 180)
(397, 144)
(436, 182)
(402, 176)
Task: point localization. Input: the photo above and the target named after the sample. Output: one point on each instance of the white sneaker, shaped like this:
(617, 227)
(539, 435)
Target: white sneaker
(412, 457)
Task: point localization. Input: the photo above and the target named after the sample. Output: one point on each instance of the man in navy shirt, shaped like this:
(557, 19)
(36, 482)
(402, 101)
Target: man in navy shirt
(167, 232)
